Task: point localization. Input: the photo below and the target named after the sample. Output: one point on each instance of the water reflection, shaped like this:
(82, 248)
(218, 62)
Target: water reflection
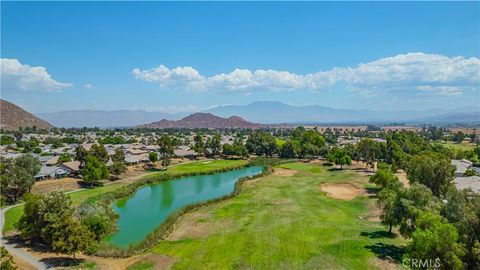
(151, 205)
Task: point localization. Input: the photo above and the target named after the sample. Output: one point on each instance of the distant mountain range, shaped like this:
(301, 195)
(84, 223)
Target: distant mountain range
(265, 112)
(277, 112)
(203, 120)
(13, 117)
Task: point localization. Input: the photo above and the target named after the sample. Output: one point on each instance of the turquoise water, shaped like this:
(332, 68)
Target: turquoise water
(151, 205)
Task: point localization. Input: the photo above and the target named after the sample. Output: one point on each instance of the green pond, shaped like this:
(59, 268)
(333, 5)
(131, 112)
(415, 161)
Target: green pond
(141, 213)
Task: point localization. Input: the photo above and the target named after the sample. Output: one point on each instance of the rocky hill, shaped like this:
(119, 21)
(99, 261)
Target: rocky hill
(13, 117)
(203, 120)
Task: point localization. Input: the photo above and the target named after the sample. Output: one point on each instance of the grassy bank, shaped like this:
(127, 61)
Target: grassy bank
(108, 250)
(285, 222)
(12, 216)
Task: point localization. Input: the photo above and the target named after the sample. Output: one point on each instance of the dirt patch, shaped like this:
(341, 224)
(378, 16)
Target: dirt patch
(342, 191)
(64, 184)
(193, 225)
(62, 261)
(373, 216)
(283, 172)
(402, 176)
(386, 264)
(21, 264)
(161, 262)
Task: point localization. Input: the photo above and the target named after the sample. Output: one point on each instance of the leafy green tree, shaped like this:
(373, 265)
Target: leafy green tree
(153, 157)
(72, 237)
(214, 144)
(65, 157)
(462, 208)
(117, 168)
(235, 149)
(31, 223)
(298, 132)
(97, 218)
(6, 260)
(433, 171)
(290, 149)
(352, 151)
(17, 176)
(340, 157)
(99, 151)
(118, 156)
(384, 178)
(458, 137)
(435, 238)
(262, 144)
(367, 150)
(199, 144)
(311, 142)
(395, 154)
(388, 203)
(28, 163)
(81, 154)
(50, 219)
(410, 203)
(165, 149)
(94, 171)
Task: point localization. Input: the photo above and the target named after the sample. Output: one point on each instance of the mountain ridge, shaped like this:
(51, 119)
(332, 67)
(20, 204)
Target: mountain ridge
(13, 117)
(202, 120)
(265, 112)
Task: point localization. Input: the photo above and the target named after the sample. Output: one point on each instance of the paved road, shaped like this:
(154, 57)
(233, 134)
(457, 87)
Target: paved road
(13, 249)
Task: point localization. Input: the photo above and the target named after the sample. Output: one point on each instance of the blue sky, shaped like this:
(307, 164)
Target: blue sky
(190, 56)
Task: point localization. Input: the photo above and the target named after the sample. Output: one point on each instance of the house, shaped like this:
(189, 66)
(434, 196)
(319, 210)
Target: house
(72, 167)
(185, 152)
(52, 161)
(136, 159)
(461, 166)
(136, 151)
(51, 172)
(43, 159)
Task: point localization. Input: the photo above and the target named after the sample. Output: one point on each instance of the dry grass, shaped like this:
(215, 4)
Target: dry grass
(64, 184)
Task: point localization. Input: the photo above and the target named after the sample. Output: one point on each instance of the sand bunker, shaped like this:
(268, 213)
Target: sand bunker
(342, 191)
(283, 172)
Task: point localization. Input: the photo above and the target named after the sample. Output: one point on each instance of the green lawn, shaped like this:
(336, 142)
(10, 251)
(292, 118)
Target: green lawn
(286, 223)
(205, 166)
(13, 215)
(459, 146)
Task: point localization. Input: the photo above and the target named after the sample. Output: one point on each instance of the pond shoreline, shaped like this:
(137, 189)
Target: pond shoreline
(165, 228)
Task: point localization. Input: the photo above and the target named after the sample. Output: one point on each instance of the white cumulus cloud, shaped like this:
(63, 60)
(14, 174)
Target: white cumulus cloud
(403, 74)
(16, 76)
